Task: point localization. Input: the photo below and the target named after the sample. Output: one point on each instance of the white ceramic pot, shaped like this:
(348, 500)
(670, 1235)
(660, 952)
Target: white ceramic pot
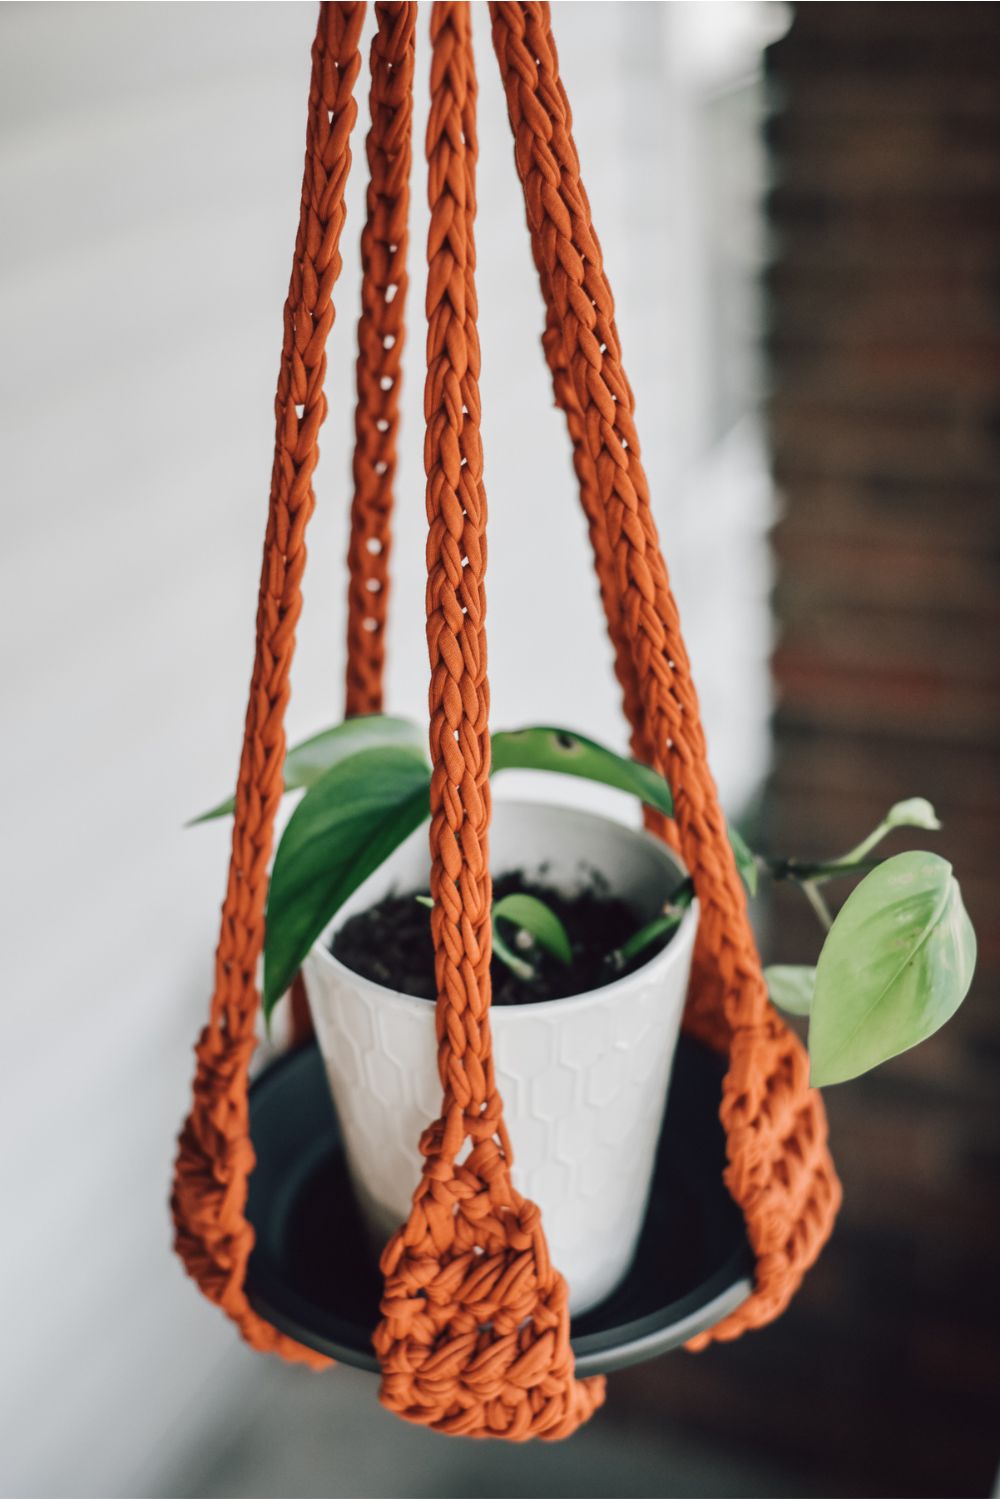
(583, 1079)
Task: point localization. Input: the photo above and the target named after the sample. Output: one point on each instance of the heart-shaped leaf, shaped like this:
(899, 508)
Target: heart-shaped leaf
(306, 762)
(347, 823)
(896, 964)
(791, 987)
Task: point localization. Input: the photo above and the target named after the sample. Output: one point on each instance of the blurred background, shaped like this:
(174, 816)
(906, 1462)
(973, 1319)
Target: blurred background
(800, 212)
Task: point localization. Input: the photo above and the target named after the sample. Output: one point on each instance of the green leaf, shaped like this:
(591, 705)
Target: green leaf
(533, 916)
(306, 762)
(745, 860)
(646, 936)
(659, 927)
(545, 748)
(347, 823)
(896, 965)
(571, 754)
(915, 812)
(791, 987)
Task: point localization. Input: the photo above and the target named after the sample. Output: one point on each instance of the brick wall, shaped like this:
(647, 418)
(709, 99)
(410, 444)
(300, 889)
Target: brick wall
(884, 345)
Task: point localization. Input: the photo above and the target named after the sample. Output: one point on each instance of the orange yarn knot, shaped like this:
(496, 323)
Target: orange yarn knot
(474, 1339)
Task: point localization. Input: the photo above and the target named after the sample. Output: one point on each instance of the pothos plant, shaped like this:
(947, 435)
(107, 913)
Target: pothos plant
(895, 964)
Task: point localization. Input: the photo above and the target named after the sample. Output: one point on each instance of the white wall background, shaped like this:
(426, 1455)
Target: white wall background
(150, 160)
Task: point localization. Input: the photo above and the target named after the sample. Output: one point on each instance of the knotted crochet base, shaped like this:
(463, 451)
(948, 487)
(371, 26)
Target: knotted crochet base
(474, 1337)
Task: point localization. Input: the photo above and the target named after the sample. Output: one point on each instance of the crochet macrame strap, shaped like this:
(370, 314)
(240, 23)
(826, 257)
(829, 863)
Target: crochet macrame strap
(215, 1156)
(475, 1332)
(474, 1337)
(381, 330)
(779, 1169)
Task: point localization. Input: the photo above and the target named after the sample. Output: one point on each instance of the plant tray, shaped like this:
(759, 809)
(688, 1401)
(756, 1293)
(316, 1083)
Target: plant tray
(312, 1274)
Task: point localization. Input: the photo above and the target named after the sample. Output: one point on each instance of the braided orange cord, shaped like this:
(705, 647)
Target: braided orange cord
(215, 1156)
(381, 329)
(475, 1332)
(604, 564)
(553, 345)
(779, 1169)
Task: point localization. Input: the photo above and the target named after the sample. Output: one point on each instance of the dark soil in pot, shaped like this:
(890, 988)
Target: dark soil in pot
(391, 944)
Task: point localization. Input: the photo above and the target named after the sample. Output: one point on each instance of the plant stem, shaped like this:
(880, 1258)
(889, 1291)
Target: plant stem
(519, 967)
(875, 837)
(660, 926)
(815, 898)
(793, 869)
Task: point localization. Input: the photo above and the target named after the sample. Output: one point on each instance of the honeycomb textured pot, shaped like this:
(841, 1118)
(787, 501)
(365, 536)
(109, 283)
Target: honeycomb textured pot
(584, 1079)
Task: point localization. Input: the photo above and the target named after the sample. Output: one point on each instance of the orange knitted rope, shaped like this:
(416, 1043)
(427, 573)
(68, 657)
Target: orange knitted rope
(475, 1332)
(381, 327)
(215, 1156)
(590, 496)
(604, 566)
(779, 1171)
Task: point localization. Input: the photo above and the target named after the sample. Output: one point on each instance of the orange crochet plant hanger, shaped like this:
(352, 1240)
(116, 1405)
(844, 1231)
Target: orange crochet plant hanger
(474, 1337)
